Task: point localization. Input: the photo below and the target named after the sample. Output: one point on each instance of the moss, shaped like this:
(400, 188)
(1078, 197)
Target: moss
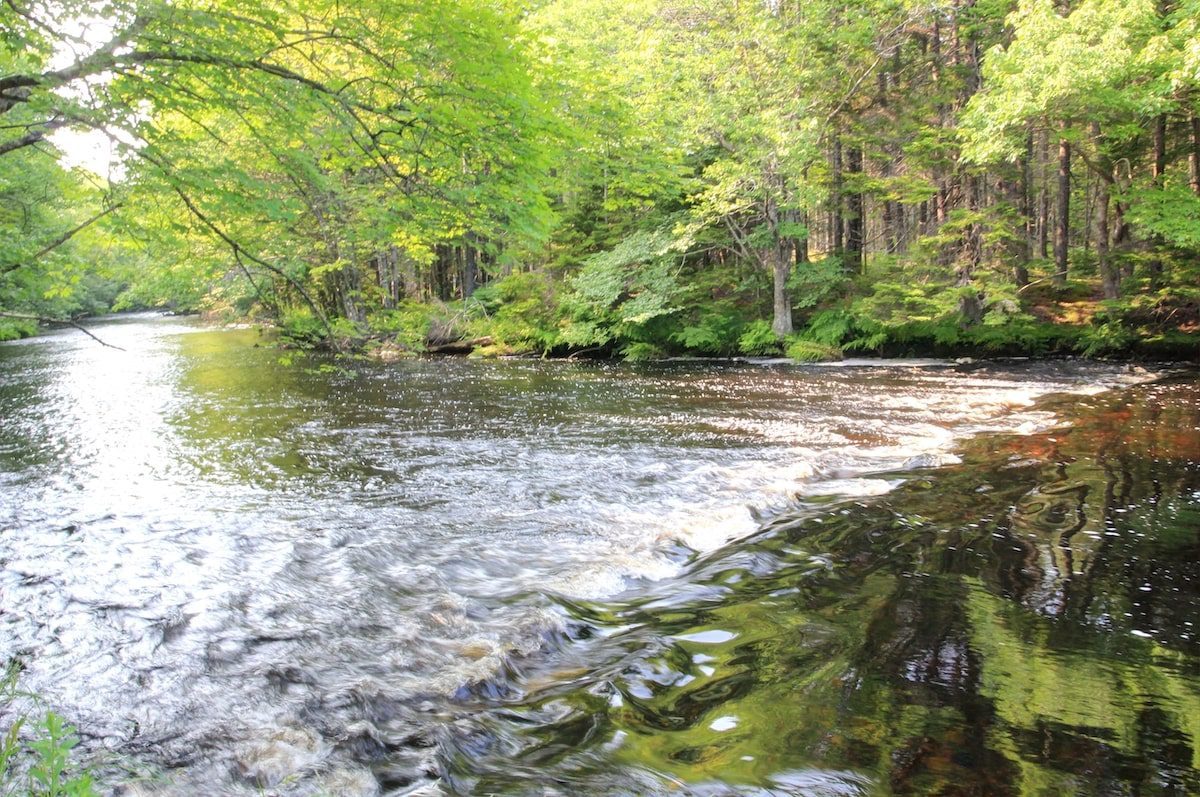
(492, 351)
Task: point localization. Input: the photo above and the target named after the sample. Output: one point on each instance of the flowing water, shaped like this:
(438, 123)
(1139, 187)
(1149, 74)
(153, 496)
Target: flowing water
(236, 576)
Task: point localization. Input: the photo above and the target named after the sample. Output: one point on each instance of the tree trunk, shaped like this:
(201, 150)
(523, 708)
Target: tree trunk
(891, 208)
(1019, 249)
(941, 201)
(1108, 272)
(835, 201)
(470, 278)
(1028, 224)
(781, 268)
(854, 214)
(441, 272)
(1194, 155)
(802, 242)
(1158, 170)
(970, 300)
(1121, 238)
(410, 283)
(1044, 197)
(1087, 214)
(1159, 167)
(1063, 222)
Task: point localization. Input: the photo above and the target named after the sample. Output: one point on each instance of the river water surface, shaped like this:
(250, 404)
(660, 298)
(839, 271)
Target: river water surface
(235, 576)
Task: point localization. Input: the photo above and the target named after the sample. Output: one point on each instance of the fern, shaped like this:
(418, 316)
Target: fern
(759, 339)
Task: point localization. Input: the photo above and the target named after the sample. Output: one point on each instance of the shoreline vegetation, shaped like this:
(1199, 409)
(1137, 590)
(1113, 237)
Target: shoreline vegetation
(638, 180)
(460, 329)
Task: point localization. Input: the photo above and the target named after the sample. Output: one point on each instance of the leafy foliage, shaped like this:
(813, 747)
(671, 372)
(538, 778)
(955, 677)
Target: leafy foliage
(38, 765)
(648, 176)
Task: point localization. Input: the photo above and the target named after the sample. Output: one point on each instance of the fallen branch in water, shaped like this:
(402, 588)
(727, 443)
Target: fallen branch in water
(575, 354)
(48, 320)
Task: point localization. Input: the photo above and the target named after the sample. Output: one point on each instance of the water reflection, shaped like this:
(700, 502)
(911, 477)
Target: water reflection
(512, 577)
(1020, 624)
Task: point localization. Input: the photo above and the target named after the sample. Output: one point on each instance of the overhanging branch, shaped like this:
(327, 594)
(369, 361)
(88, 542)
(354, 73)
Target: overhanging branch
(42, 319)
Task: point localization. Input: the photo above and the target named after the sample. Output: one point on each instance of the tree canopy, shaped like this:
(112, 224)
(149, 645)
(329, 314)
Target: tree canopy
(711, 176)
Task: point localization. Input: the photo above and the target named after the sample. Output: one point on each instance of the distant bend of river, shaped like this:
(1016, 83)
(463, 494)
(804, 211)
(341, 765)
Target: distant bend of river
(538, 578)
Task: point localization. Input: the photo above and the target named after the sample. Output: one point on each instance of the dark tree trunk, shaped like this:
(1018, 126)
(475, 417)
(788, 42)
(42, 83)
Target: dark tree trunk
(891, 208)
(1063, 212)
(1017, 252)
(1121, 238)
(1110, 277)
(443, 265)
(1194, 155)
(854, 214)
(802, 242)
(1108, 272)
(1044, 197)
(1158, 170)
(835, 201)
(410, 280)
(1024, 251)
(1159, 167)
(937, 63)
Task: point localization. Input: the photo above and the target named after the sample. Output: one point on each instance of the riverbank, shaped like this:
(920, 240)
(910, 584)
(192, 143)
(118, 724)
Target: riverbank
(527, 314)
(533, 314)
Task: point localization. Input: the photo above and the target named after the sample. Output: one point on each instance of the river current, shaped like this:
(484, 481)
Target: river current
(238, 576)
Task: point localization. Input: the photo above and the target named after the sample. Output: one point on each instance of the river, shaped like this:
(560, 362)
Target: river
(238, 576)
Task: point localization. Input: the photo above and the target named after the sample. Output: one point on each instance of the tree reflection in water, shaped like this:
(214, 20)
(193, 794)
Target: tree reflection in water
(1022, 623)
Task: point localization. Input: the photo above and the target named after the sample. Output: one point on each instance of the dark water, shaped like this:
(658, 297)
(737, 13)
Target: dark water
(456, 577)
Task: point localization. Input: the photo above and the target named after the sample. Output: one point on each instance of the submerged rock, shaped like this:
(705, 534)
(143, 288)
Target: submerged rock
(288, 751)
(930, 460)
(388, 352)
(351, 782)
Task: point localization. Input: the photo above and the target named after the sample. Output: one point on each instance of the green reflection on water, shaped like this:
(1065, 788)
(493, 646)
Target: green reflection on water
(1020, 624)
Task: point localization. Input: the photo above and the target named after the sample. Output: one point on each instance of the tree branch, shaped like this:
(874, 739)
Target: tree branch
(62, 239)
(67, 321)
(71, 233)
(32, 137)
(238, 250)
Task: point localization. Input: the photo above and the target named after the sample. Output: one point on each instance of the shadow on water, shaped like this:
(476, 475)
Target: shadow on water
(1022, 623)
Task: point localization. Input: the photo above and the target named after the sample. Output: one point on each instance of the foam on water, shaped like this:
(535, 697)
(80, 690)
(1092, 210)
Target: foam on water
(258, 576)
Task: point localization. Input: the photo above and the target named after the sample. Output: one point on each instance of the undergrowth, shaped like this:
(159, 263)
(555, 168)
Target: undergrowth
(35, 750)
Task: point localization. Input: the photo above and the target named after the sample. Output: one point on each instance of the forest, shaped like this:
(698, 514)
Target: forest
(638, 541)
(636, 179)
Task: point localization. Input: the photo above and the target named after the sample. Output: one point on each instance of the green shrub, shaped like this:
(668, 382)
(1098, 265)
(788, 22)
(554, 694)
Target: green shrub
(759, 339)
(1106, 338)
(813, 282)
(519, 312)
(712, 330)
(829, 327)
(41, 766)
(807, 351)
(641, 352)
(17, 328)
(625, 294)
(408, 324)
(301, 329)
